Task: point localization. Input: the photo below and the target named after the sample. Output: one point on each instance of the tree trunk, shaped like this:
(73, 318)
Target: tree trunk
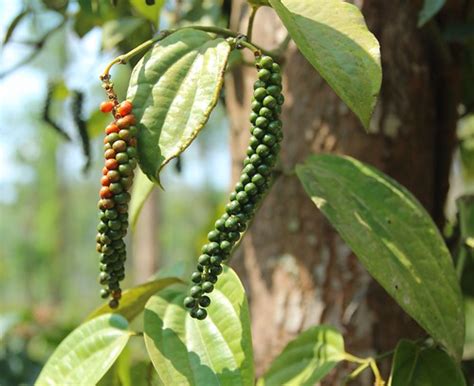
(296, 269)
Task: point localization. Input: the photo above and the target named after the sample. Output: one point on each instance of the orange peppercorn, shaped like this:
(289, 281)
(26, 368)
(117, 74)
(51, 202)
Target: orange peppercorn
(107, 107)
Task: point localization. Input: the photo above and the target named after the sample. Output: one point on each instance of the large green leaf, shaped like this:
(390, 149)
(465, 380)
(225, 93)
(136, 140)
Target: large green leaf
(418, 366)
(307, 359)
(87, 353)
(430, 8)
(134, 299)
(174, 88)
(214, 351)
(333, 36)
(142, 188)
(394, 238)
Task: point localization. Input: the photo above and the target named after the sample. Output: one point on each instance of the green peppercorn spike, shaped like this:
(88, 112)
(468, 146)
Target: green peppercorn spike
(254, 181)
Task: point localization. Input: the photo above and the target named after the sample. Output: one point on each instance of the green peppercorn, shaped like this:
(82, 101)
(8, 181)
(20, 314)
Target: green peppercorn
(255, 160)
(250, 189)
(268, 101)
(125, 134)
(204, 259)
(233, 236)
(249, 170)
(213, 235)
(207, 287)
(266, 112)
(104, 294)
(264, 75)
(258, 133)
(201, 314)
(232, 207)
(189, 302)
(259, 84)
(260, 94)
(220, 224)
(122, 198)
(242, 197)
(196, 277)
(225, 246)
(132, 152)
(269, 140)
(125, 170)
(204, 301)
(231, 223)
(261, 122)
(116, 188)
(122, 158)
(253, 117)
(256, 106)
(111, 138)
(264, 170)
(196, 291)
(258, 179)
(215, 270)
(119, 145)
(244, 178)
(262, 150)
(274, 91)
(275, 78)
(212, 248)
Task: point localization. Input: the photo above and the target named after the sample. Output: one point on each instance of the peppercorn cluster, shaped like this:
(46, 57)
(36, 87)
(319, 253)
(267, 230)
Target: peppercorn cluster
(254, 181)
(120, 160)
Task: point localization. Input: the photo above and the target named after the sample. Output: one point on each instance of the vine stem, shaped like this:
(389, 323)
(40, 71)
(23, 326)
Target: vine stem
(123, 59)
(253, 13)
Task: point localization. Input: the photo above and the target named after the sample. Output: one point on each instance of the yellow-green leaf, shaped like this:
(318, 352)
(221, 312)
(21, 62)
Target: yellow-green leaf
(134, 299)
(394, 238)
(333, 36)
(87, 353)
(307, 359)
(213, 352)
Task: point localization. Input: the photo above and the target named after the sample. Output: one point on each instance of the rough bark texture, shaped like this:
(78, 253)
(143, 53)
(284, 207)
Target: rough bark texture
(295, 267)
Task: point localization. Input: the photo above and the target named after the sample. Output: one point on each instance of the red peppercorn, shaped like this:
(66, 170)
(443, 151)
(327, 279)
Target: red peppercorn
(126, 121)
(105, 170)
(105, 192)
(109, 154)
(107, 107)
(112, 128)
(124, 108)
(105, 181)
(111, 164)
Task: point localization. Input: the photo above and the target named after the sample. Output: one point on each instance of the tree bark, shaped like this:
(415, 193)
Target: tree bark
(296, 269)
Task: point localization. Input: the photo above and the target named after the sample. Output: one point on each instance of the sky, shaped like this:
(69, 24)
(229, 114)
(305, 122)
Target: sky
(25, 89)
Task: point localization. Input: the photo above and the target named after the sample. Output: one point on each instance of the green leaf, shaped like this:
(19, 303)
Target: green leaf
(307, 359)
(174, 88)
(418, 366)
(394, 238)
(211, 352)
(151, 12)
(87, 353)
(134, 299)
(333, 36)
(430, 8)
(142, 188)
